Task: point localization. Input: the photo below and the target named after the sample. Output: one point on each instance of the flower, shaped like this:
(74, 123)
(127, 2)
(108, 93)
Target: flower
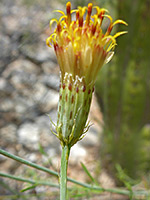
(81, 47)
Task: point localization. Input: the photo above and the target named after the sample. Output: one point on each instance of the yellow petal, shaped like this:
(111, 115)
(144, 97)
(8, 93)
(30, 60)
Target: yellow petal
(59, 11)
(119, 21)
(109, 57)
(52, 21)
(120, 33)
(109, 17)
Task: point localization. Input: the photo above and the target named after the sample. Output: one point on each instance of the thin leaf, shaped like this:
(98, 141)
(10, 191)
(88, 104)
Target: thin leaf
(29, 188)
(42, 150)
(88, 173)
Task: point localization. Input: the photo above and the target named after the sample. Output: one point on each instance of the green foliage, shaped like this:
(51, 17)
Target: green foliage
(125, 91)
(88, 173)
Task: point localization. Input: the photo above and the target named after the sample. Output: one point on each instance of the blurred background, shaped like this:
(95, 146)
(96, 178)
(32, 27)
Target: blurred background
(117, 146)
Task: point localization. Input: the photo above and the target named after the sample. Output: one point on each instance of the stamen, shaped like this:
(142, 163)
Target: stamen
(93, 29)
(80, 21)
(101, 16)
(58, 27)
(89, 13)
(68, 10)
(110, 26)
(80, 17)
(77, 15)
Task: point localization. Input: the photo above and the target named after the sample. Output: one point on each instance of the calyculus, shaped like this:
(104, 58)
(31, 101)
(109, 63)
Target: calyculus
(73, 108)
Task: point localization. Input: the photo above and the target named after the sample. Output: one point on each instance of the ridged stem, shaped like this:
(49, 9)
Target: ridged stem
(63, 172)
(85, 185)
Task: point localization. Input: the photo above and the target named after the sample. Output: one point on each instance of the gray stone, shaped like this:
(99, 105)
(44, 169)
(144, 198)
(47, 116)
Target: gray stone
(47, 138)
(91, 138)
(19, 67)
(50, 67)
(49, 101)
(5, 87)
(77, 154)
(28, 135)
(51, 80)
(6, 105)
(8, 134)
(39, 91)
(38, 53)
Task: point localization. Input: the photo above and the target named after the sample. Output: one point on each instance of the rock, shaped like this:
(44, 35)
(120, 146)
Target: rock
(39, 91)
(47, 139)
(32, 157)
(19, 66)
(2, 158)
(6, 105)
(38, 53)
(53, 115)
(8, 134)
(90, 139)
(5, 87)
(50, 67)
(105, 180)
(49, 101)
(52, 81)
(28, 135)
(77, 154)
(5, 52)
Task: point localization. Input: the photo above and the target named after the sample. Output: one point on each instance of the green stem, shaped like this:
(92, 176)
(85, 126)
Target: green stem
(28, 180)
(23, 161)
(92, 187)
(63, 172)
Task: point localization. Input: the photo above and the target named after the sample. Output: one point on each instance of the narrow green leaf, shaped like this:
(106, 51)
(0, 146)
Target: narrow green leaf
(29, 188)
(42, 150)
(88, 173)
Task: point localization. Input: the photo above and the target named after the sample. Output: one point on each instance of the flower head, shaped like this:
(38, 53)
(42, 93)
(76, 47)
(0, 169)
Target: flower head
(81, 48)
